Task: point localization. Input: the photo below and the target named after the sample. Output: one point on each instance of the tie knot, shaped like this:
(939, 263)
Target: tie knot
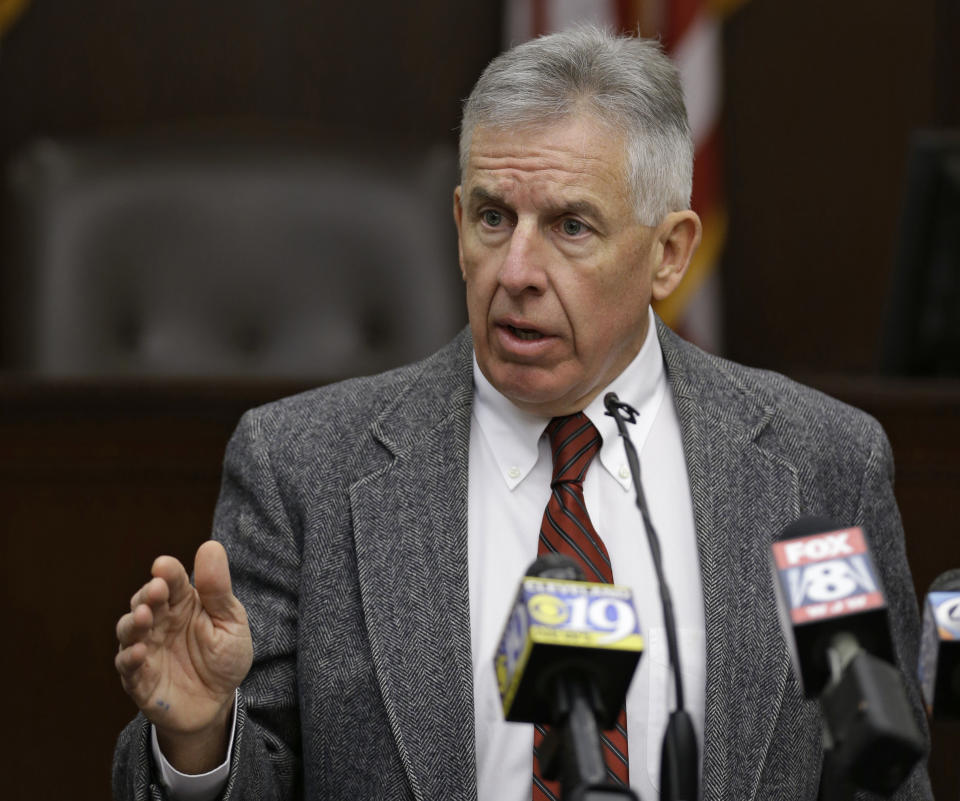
(574, 441)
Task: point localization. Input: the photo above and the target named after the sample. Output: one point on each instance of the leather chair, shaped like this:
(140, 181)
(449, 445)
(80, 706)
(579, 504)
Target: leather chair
(187, 256)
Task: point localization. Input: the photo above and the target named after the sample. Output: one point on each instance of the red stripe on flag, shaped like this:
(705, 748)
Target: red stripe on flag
(627, 15)
(538, 18)
(680, 15)
(707, 173)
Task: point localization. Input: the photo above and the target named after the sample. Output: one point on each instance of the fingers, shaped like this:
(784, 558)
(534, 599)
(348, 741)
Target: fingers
(212, 580)
(135, 674)
(135, 625)
(129, 660)
(172, 572)
(150, 606)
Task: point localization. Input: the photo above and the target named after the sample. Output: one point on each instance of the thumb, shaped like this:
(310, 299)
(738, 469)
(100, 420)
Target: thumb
(212, 581)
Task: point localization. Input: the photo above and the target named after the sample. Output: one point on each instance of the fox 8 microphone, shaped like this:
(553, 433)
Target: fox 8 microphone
(834, 617)
(826, 582)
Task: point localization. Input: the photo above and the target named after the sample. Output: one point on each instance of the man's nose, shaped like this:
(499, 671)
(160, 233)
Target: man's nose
(523, 265)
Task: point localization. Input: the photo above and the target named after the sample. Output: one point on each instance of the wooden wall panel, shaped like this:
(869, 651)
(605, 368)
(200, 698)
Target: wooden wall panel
(399, 69)
(820, 99)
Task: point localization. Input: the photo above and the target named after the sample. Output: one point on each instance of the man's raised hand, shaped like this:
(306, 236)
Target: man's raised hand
(183, 652)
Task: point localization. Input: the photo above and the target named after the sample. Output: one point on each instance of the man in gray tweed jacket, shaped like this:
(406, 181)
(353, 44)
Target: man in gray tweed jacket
(342, 667)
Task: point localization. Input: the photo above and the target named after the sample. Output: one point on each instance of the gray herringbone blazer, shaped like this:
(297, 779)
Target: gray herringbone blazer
(344, 515)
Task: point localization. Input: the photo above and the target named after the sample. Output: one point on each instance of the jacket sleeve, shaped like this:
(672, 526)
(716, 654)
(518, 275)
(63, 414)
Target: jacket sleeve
(877, 513)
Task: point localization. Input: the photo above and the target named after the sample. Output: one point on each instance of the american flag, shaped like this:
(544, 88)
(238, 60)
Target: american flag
(690, 31)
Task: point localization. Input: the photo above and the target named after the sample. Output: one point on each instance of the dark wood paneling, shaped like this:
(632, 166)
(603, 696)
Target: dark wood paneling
(95, 481)
(391, 68)
(948, 63)
(820, 99)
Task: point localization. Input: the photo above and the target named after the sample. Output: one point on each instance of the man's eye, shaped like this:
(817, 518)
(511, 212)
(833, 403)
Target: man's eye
(573, 227)
(491, 217)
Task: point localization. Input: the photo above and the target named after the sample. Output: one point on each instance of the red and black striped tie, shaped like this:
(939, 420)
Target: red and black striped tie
(566, 528)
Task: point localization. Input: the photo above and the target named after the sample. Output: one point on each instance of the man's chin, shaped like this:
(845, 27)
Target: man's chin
(533, 389)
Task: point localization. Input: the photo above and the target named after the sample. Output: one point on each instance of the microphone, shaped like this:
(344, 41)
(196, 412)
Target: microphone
(679, 758)
(834, 618)
(940, 647)
(827, 584)
(566, 657)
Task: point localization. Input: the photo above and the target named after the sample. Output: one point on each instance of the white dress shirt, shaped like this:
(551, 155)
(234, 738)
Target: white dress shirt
(509, 485)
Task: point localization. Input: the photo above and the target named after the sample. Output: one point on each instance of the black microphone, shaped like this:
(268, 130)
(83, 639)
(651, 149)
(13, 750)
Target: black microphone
(940, 647)
(679, 757)
(566, 657)
(834, 618)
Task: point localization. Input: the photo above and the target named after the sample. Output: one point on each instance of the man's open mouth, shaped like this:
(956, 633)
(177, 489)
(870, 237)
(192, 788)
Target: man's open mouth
(525, 333)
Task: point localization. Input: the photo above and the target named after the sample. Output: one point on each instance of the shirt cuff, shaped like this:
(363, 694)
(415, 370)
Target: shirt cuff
(194, 787)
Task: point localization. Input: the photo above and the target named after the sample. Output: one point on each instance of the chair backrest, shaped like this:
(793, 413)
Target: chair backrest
(198, 256)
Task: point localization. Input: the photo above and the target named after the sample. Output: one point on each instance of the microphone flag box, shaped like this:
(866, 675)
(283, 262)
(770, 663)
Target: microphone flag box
(827, 583)
(573, 628)
(940, 654)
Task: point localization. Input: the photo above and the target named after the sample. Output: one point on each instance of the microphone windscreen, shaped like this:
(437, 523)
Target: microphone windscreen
(561, 629)
(805, 526)
(556, 566)
(946, 582)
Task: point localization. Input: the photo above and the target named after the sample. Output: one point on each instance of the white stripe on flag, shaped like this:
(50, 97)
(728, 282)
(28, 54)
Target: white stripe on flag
(563, 14)
(517, 22)
(697, 56)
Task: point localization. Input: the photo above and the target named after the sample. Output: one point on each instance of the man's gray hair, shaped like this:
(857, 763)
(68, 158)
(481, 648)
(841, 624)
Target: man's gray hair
(626, 83)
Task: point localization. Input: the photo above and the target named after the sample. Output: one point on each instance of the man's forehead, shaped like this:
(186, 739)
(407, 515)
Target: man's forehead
(576, 164)
(582, 135)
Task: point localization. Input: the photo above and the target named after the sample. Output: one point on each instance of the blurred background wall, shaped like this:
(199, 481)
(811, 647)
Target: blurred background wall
(821, 100)
(99, 473)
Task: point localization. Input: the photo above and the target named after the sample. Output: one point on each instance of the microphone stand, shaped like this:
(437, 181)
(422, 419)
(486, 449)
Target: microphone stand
(679, 756)
(870, 738)
(571, 750)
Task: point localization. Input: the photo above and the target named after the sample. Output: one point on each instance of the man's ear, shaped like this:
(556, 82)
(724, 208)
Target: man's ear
(458, 219)
(677, 238)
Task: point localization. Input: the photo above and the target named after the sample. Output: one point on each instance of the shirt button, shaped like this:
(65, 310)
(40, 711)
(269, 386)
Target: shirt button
(514, 472)
(624, 471)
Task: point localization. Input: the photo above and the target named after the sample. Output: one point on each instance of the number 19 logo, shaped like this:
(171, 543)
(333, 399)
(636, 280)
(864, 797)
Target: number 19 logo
(611, 615)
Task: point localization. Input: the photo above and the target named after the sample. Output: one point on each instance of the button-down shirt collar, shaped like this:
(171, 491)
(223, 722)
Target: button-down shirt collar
(513, 434)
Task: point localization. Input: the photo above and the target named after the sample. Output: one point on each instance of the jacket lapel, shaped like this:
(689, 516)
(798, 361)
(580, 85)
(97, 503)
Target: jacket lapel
(410, 529)
(743, 494)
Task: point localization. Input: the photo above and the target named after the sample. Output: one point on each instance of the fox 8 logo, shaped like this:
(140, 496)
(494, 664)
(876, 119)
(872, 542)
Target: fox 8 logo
(833, 580)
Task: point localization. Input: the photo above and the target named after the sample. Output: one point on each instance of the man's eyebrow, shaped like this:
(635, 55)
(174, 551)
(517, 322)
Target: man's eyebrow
(479, 196)
(584, 207)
